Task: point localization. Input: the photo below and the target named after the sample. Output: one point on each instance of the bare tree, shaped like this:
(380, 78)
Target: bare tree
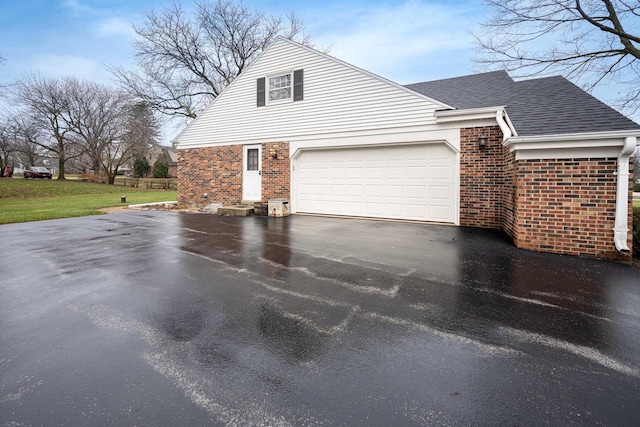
(108, 126)
(16, 141)
(7, 145)
(588, 41)
(134, 134)
(25, 135)
(3, 85)
(185, 61)
(46, 103)
(141, 128)
(95, 113)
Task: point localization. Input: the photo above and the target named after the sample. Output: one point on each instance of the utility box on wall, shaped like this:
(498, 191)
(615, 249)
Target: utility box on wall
(279, 207)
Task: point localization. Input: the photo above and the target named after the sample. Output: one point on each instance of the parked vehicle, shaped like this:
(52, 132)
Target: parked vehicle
(37, 172)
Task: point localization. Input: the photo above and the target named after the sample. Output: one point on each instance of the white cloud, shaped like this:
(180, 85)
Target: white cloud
(67, 65)
(76, 6)
(405, 41)
(114, 27)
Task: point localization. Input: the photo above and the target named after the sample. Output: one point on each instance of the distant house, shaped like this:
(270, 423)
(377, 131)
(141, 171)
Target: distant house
(540, 159)
(169, 153)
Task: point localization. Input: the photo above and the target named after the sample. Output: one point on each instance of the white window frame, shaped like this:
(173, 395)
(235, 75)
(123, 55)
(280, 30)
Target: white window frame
(268, 88)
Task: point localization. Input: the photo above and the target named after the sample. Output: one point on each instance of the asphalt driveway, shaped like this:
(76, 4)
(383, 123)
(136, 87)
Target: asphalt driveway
(159, 318)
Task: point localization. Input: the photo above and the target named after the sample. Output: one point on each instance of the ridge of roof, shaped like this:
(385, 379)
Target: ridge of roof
(546, 105)
(499, 73)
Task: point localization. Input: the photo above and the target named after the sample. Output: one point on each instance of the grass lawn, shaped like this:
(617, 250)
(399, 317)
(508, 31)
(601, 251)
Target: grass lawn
(24, 200)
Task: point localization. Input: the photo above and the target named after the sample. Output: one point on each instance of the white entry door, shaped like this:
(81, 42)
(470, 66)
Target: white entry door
(252, 173)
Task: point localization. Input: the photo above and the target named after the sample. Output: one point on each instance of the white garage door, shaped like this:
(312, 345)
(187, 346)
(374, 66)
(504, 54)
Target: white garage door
(405, 182)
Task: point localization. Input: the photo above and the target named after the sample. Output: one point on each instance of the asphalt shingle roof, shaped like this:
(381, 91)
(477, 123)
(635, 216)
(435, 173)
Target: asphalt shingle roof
(551, 105)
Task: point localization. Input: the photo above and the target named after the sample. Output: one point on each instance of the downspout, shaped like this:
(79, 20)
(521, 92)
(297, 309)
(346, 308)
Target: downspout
(620, 229)
(504, 127)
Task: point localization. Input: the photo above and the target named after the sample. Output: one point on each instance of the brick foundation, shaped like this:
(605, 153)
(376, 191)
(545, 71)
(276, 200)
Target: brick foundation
(568, 212)
(276, 173)
(561, 206)
(509, 196)
(481, 178)
(217, 171)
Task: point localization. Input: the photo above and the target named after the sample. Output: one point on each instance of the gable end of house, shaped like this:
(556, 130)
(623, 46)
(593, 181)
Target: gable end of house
(479, 151)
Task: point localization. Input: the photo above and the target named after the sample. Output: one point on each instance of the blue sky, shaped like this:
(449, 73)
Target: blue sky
(406, 41)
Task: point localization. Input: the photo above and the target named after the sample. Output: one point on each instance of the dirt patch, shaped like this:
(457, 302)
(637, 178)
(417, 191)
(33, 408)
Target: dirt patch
(114, 209)
(174, 208)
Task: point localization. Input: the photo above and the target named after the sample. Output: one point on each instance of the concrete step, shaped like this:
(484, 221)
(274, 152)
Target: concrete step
(236, 210)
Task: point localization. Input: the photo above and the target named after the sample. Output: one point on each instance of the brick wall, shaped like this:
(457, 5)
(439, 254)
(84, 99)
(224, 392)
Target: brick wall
(213, 170)
(567, 206)
(509, 196)
(276, 173)
(218, 172)
(559, 206)
(481, 178)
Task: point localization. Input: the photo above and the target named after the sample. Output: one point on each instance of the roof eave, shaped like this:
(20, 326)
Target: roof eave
(451, 116)
(570, 145)
(586, 138)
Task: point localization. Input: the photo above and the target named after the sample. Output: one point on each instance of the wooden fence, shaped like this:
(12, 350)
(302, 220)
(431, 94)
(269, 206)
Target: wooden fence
(149, 183)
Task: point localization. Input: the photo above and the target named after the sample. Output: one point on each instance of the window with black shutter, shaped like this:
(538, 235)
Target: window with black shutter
(280, 88)
(261, 92)
(298, 93)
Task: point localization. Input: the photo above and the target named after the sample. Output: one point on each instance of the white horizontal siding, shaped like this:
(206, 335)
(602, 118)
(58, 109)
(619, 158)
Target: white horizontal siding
(337, 98)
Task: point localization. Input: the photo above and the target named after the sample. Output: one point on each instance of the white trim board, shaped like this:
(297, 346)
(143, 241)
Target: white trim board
(568, 146)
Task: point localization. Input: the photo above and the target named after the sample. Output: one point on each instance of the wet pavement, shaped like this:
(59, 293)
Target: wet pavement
(160, 318)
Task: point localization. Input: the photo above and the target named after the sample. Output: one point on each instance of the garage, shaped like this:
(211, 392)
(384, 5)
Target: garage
(415, 182)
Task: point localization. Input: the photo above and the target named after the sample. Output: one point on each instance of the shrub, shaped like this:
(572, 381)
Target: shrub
(161, 167)
(636, 187)
(636, 231)
(140, 167)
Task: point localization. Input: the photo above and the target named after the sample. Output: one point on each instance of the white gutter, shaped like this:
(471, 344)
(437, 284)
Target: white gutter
(452, 116)
(504, 127)
(566, 146)
(498, 113)
(614, 137)
(620, 229)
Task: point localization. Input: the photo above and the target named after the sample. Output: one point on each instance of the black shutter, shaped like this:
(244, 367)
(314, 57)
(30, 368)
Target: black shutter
(297, 85)
(261, 94)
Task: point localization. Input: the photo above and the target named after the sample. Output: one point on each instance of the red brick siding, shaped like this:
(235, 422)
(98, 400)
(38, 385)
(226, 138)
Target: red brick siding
(630, 213)
(509, 196)
(218, 172)
(567, 206)
(481, 178)
(276, 173)
(559, 206)
(213, 170)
